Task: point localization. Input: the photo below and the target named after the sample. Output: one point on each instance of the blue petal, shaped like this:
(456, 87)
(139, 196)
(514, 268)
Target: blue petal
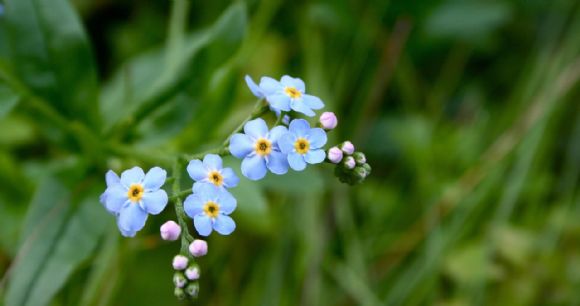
(254, 167)
(230, 178)
(241, 145)
(227, 202)
(299, 127)
(112, 178)
(279, 102)
(315, 156)
(276, 133)
(208, 192)
(270, 86)
(125, 233)
(256, 128)
(299, 106)
(202, 224)
(154, 202)
(317, 138)
(293, 82)
(196, 170)
(286, 143)
(312, 101)
(115, 197)
(193, 205)
(277, 162)
(132, 218)
(212, 162)
(154, 179)
(254, 87)
(224, 225)
(134, 175)
(296, 161)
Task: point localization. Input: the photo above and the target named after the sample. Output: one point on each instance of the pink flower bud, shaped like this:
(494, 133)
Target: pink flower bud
(198, 248)
(347, 147)
(170, 231)
(180, 262)
(192, 273)
(328, 120)
(349, 162)
(335, 155)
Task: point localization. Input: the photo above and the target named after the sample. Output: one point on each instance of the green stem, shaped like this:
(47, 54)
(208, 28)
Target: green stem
(186, 237)
(260, 108)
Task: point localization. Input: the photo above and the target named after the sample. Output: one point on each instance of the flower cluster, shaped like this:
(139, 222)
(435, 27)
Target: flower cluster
(291, 143)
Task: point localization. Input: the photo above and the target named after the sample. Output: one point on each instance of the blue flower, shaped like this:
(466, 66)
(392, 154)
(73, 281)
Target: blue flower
(209, 208)
(133, 196)
(288, 94)
(259, 149)
(303, 144)
(211, 171)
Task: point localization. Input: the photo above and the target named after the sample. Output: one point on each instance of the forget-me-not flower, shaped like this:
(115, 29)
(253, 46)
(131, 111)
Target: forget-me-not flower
(209, 207)
(133, 196)
(259, 149)
(289, 94)
(303, 144)
(211, 171)
(254, 88)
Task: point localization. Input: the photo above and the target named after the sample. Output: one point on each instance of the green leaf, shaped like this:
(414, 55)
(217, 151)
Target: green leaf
(8, 99)
(75, 245)
(52, 244)
(50, 54)
(147, 81)
(467, 20)
(45, 218)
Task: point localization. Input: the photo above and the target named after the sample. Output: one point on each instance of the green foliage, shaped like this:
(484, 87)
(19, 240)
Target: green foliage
(466, 110)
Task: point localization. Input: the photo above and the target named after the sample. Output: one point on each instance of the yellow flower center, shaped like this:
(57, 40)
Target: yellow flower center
(302, 146)
(216, 178)
(263, 147)
(211, 209)
(135, 193)
(292, 92)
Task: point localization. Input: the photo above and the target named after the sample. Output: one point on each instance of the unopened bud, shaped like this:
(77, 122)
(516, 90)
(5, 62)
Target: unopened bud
(179, 293)
(198, 248)
(328, 120)
(360, 172)
(170, 231)
(359, 157)
(192, 289)
(192, 273)
(179, 280)
(347, 147)
(349, 162)
(367, 167)
(334, 155)
(180, 262)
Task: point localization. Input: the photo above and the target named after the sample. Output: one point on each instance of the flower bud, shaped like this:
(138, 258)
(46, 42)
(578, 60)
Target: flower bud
(170, 231)
(359, 157)
(198, 248)
(192, 289)
(347, 147)
(334, 155)
(349, 162)
(192, 273)
(328, 120)
(367, 167)
(180, 262)
(179, 293)
(360, 173)
(179, 280)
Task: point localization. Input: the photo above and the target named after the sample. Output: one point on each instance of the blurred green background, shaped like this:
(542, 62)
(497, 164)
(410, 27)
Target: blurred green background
(467, 110)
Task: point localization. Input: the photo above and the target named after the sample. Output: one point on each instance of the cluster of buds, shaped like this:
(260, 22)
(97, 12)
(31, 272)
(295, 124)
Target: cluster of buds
(351, 166)
(187, 272)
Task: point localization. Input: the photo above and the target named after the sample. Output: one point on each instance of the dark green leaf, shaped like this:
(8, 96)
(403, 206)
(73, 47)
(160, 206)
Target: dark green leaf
(50, 53)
